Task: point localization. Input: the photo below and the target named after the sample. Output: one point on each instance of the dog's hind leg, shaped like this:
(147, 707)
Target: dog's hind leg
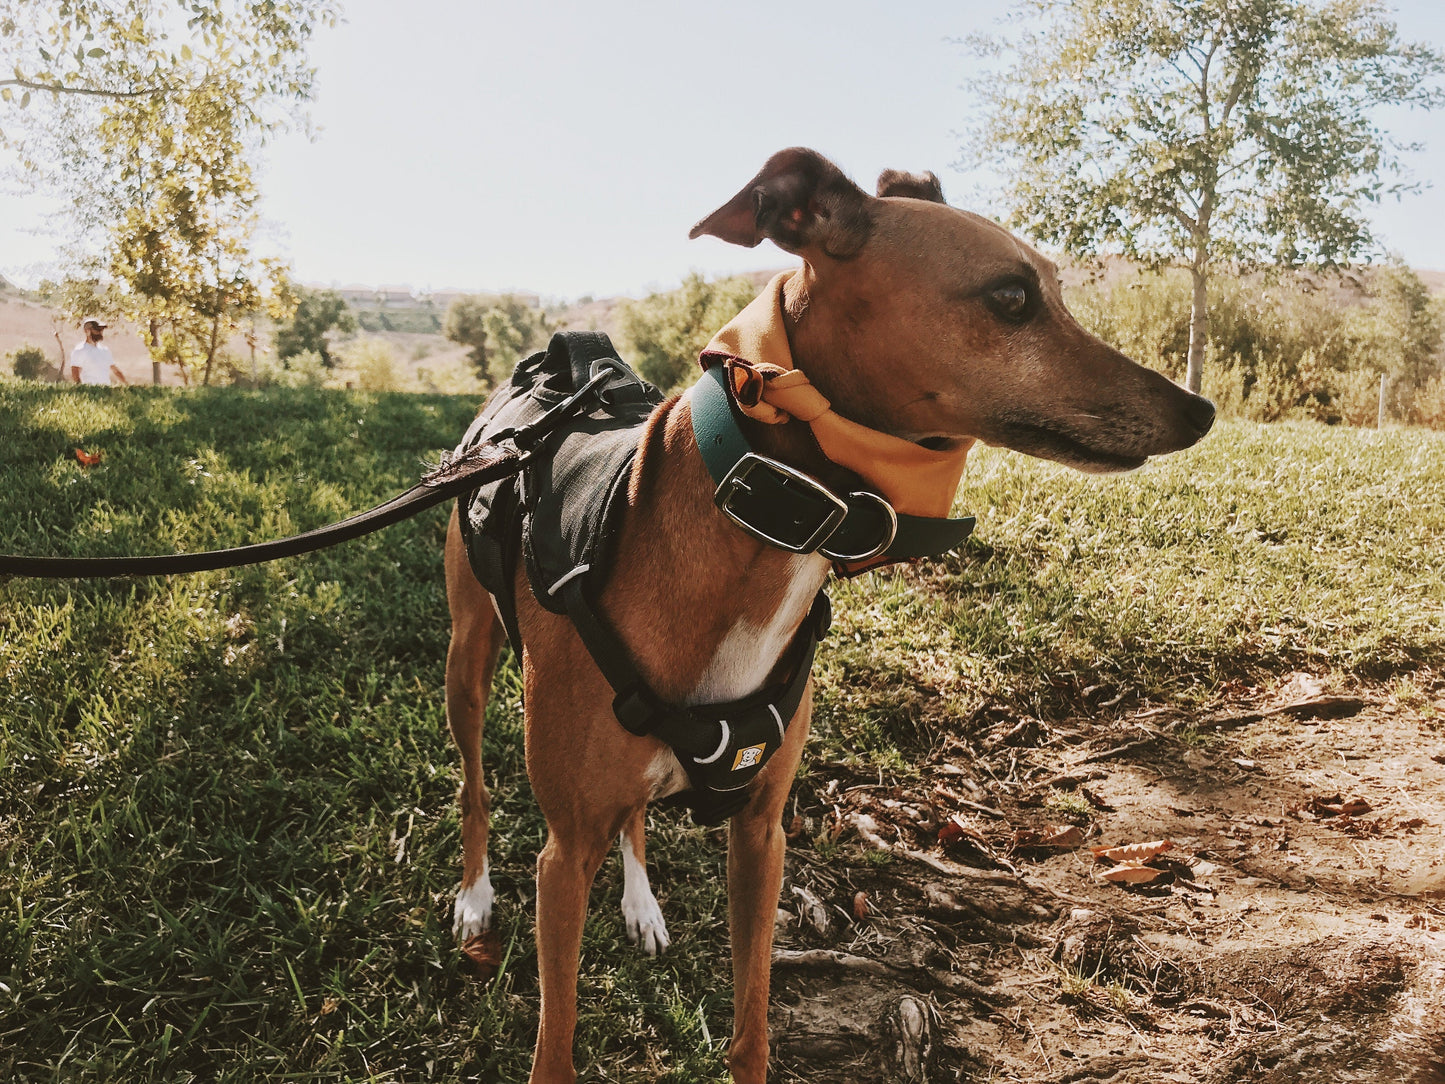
(477, 638)
(640, 911)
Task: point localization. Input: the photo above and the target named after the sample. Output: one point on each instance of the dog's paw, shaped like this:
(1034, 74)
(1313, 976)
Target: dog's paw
(645, 927)
(473, 912)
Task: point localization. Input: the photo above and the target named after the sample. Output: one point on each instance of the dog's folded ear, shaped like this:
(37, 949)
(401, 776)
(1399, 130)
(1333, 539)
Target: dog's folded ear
(895, 182)
(801, 202)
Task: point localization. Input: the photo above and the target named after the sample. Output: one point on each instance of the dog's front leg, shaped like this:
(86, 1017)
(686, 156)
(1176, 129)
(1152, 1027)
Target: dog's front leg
(755, 879)
(566, 867)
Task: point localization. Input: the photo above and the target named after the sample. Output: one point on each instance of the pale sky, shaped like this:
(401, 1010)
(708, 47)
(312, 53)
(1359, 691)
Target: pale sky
(567, 148)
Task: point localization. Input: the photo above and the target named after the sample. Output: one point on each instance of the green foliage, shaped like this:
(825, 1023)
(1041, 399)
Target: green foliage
(148, 136)
(665, 332)
(1283, 345)
(318, 313)
(1158, 125)
(498, 332)
(417, 321)
(104, 52)
(28, 362)
(73, 298)
(1195, 131)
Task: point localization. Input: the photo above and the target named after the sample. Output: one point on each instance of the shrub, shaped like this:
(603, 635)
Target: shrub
(307, 369)
(664, 332)
(374, 362)
(1282, 346)
(450, 376)
(28, 362)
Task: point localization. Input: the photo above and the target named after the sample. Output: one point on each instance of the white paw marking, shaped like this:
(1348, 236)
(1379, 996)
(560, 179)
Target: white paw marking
(473, 912)
(640, 911)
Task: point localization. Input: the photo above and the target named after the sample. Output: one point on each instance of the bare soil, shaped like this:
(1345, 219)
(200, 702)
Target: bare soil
(1294, 931)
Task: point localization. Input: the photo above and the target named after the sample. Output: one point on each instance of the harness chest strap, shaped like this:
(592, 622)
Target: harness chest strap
(720, 746)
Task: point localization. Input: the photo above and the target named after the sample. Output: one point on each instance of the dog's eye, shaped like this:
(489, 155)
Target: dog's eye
(1011, 301)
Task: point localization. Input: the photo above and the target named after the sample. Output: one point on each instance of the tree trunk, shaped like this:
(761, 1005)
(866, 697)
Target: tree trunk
(155, 351)
(1198, 326)
(211, 350)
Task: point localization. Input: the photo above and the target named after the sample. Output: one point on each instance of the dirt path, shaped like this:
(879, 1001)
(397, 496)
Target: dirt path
(1295, 930)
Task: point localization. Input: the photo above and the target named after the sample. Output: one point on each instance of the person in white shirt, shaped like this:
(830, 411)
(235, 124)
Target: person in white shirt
(92, 362)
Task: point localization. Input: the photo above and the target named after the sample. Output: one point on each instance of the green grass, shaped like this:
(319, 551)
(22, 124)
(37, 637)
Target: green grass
(227, 831)
(1263, 550)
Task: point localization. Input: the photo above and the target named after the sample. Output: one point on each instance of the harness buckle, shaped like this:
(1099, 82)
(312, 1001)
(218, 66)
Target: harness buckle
(617, 367)
(779, 505)
(637, 711)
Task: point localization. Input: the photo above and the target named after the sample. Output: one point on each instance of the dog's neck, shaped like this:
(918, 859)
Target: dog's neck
(710, 612)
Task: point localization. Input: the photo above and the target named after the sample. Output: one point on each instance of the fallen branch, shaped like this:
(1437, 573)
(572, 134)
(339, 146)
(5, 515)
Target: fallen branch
(1319, 707)
(836, 962)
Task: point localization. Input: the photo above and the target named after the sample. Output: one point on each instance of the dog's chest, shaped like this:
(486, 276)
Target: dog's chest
(746, 656)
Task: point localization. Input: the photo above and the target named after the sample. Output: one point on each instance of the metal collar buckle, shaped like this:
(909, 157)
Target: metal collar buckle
(831, 508)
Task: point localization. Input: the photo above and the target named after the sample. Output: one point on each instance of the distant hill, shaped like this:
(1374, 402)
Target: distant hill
(414, 330)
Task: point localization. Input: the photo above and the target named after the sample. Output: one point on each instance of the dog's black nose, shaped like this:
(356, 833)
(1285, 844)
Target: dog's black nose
(1199, 413)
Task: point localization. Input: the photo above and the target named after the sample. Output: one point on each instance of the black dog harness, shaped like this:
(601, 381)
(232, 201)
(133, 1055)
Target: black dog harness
(561, 514)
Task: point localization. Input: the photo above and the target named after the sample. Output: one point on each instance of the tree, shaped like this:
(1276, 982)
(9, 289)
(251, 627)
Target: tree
(1197, 132)
(28, 362)
(180, 222)
(317, 314)
(665, 332)
(498, 332)
(147, 123)
(122, 50)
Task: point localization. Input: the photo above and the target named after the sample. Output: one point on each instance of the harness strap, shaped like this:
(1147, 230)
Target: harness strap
(751, 729)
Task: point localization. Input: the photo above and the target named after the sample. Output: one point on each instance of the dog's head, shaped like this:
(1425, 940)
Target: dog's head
(938, 325)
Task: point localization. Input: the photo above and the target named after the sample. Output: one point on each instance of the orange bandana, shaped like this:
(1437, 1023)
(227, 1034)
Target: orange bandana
(754, 345)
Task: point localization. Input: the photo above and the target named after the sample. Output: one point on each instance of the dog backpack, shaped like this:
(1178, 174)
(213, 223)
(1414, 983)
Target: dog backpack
(560, 516)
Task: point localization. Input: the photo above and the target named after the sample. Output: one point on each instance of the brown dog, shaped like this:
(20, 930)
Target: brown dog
(914, 319)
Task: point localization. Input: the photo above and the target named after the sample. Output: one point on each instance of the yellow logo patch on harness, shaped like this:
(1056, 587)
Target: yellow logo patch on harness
(749, 756)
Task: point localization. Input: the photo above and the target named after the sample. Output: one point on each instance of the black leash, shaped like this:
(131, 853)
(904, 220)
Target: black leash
(455, 475)
(451, 479)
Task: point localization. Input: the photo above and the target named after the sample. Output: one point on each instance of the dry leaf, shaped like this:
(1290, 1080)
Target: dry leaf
(1055, 835)
(1063, 835)
(1131, 873)
(1133, 852)
(797, 827)
(1336, 806)
(485, 952)
(88, 459)
(955, 829)
(860, 905)
(1413, 822)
